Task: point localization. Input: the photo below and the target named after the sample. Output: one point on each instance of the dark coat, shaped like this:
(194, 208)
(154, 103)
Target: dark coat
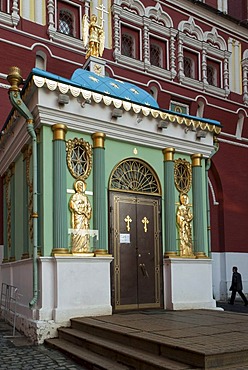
(236, 282)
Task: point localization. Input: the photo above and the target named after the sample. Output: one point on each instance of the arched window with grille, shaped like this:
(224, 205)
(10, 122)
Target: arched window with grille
(211, 75)
(66, 23)
(188, 67)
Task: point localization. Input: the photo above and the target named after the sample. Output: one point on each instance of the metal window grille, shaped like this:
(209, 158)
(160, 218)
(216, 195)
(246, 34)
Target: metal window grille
(155, 55)
(211, 75)
(66, 22)
(188, 67)
(127, 45)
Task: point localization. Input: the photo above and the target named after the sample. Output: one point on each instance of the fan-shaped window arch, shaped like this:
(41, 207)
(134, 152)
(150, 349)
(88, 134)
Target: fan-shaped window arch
(135, 176)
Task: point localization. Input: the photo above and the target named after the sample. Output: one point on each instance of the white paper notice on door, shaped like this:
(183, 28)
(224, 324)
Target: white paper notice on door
(125, 238)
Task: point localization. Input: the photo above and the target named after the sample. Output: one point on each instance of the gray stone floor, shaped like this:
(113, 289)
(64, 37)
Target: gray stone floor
(18, 354)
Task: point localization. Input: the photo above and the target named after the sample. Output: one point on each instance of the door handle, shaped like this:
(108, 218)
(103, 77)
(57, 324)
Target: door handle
(144, 270)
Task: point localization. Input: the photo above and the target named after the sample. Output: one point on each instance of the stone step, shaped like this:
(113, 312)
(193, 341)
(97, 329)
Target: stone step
(139, 340)
(123, 355)
(83, 356)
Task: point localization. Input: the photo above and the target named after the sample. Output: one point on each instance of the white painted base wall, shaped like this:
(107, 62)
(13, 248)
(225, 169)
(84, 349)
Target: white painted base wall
(188, 284)
(68, 287)
(222, 273)
(75, 286)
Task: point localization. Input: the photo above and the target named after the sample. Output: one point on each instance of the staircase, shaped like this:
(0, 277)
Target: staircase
(136, 342)
(104, 346)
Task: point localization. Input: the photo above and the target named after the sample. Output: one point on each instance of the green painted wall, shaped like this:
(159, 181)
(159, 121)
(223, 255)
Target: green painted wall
(45, 169)
(18, 179)
(115, 151)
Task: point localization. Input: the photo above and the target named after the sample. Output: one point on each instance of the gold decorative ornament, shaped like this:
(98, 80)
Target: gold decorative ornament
(182, 175)
(81, 212)
(15, 79)
(196, 160)
(79, 158)
(145, 221)
(97, 69)
(184, 217)
(128, 220)
(168, 154)
(93, 34)
(59, 131)
(98, 139)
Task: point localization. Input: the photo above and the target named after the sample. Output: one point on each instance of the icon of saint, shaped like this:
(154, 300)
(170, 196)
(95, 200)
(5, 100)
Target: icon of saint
(81, 212)
(184, 218)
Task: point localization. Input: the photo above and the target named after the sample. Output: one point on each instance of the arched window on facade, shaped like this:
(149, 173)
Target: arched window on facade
(41, 60)
(154, 92)
(127, 45)
(188, 66)
(211, 75)
(200, 109)
(240, 124)
(66, 24)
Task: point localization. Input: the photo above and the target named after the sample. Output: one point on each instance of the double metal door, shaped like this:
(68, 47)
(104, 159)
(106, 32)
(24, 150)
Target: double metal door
(136, 247)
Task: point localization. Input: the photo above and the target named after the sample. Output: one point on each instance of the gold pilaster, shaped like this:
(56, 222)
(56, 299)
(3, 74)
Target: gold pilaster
(168, 154)
(98, 139)
(59, 131)
(196, 160)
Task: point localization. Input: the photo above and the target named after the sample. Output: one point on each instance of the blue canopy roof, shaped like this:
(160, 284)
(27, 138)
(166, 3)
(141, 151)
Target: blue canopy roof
(115, 88)
(104, 85)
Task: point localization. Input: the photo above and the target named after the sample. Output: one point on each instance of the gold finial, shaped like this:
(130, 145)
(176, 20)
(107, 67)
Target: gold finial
(15, 79)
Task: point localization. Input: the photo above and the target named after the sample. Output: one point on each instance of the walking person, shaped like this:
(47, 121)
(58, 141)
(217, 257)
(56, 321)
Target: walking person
(237, 286)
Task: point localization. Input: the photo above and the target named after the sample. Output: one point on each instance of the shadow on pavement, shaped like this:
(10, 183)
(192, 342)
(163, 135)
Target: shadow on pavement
(238, 306)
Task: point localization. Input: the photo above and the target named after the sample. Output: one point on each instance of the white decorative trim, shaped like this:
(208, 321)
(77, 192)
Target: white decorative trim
(118, 103)
(215, 203)
(190, 29)
(233, 143)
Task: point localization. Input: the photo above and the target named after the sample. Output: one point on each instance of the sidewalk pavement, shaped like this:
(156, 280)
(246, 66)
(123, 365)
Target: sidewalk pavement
(18, 353)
